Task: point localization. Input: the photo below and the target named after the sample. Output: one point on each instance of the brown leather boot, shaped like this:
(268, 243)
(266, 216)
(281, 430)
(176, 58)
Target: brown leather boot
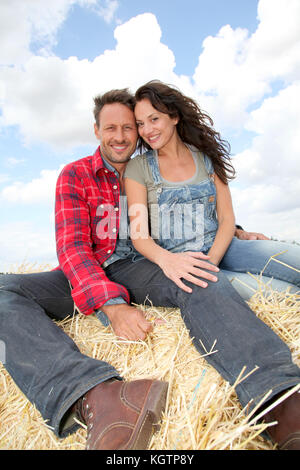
(122, 415)
(287, 432)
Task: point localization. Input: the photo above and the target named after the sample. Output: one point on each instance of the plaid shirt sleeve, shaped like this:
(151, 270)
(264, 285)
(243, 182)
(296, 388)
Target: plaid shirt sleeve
(90, 286)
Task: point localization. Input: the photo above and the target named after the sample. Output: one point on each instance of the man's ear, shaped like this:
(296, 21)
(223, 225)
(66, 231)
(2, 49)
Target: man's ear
(96, 131)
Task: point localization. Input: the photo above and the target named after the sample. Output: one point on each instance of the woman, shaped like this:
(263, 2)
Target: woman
(181, 214)
(178, 195)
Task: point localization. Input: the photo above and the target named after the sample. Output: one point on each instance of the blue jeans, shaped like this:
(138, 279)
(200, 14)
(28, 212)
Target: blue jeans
(50, 370)
(217, 313)
(43, 361)
(254, 256)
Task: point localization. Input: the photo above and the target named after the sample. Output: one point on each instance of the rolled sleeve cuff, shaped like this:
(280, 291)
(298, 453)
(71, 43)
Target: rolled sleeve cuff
(102, 316)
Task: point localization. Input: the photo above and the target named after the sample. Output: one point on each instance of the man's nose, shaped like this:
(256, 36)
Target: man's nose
(119, 135)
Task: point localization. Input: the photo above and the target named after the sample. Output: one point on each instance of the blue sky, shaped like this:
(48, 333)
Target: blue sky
(183, 28)
(240, 60)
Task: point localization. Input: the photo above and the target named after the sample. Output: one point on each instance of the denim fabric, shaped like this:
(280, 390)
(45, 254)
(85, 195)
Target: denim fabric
(102, 316)
(43, 361)
(278, 262)
(275, 259)
(50, 370)
(187, 212)
(246, 285)
(219, 314)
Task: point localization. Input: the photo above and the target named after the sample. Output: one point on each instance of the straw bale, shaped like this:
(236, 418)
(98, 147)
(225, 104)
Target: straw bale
(202, 410)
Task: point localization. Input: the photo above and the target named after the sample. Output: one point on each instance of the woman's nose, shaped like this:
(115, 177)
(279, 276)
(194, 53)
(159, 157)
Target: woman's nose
(147, 129)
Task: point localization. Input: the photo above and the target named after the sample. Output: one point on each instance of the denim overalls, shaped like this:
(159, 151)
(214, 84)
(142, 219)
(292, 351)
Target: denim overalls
(187, 212)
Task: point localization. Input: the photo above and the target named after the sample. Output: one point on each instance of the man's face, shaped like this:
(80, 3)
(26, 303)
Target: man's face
(117, 133)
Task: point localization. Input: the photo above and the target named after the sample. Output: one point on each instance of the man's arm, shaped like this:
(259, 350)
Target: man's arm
(91, 289)
(90, 286)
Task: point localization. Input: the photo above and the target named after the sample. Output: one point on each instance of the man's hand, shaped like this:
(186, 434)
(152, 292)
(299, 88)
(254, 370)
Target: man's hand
(243, 235)
(127, 322)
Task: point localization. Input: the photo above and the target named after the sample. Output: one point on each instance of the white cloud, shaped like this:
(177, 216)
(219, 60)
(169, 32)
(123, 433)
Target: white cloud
(21, 22)
(274, 154)
(237, 70)
(268, 209)
(270, 169)
(12, 162)
(25, 22)
(38, 191)
(108, 10)
(51, 99)
(46, 101)
(138, 45)
(4, 177)
(25, 242)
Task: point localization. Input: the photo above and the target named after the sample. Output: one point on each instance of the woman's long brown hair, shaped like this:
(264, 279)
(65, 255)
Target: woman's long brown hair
(194, 126)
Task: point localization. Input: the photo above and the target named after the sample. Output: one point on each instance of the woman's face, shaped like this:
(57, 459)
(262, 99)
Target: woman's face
(156, 129)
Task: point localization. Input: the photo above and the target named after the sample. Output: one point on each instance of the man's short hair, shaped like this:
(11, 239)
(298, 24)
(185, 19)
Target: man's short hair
(122, 96)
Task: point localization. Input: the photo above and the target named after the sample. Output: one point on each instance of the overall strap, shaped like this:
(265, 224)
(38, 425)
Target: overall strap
(153, 165)
(208, 165)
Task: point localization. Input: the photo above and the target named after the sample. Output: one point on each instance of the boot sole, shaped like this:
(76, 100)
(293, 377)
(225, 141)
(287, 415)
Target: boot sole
(148, 421)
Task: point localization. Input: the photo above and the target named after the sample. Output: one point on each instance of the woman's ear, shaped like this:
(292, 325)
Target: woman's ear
(176, 120)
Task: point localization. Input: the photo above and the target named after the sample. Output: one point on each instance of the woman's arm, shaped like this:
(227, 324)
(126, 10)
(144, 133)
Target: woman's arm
(226, 221)
(139, 221)
(176, 266)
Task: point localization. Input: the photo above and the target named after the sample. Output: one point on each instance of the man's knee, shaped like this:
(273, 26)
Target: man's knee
(10, 281)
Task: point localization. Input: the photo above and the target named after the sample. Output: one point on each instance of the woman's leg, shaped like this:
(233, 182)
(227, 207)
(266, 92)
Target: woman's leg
(277, 260)
(246, 285)
(217, 313)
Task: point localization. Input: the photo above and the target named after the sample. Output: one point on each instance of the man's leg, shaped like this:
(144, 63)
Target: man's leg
(219, 314)
(43, 361)
(50, 370)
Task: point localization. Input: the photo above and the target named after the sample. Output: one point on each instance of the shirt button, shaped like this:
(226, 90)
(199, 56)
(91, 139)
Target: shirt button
(115, 186)
(105, 171)
(101, 206)
(108, 251)
(116, 209)
(114, 230)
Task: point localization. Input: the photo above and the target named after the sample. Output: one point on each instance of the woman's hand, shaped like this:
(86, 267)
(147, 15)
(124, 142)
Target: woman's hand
(187, 265)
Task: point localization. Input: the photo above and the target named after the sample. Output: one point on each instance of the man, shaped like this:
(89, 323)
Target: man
(106, 274)
(41, 358)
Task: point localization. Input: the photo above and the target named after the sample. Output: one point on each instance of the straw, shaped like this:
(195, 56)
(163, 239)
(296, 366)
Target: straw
(202, 410)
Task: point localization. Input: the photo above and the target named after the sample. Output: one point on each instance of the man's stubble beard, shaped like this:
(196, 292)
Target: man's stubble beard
(115, 160)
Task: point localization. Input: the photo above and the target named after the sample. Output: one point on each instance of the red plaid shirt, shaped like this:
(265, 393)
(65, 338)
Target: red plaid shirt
(87, 215)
